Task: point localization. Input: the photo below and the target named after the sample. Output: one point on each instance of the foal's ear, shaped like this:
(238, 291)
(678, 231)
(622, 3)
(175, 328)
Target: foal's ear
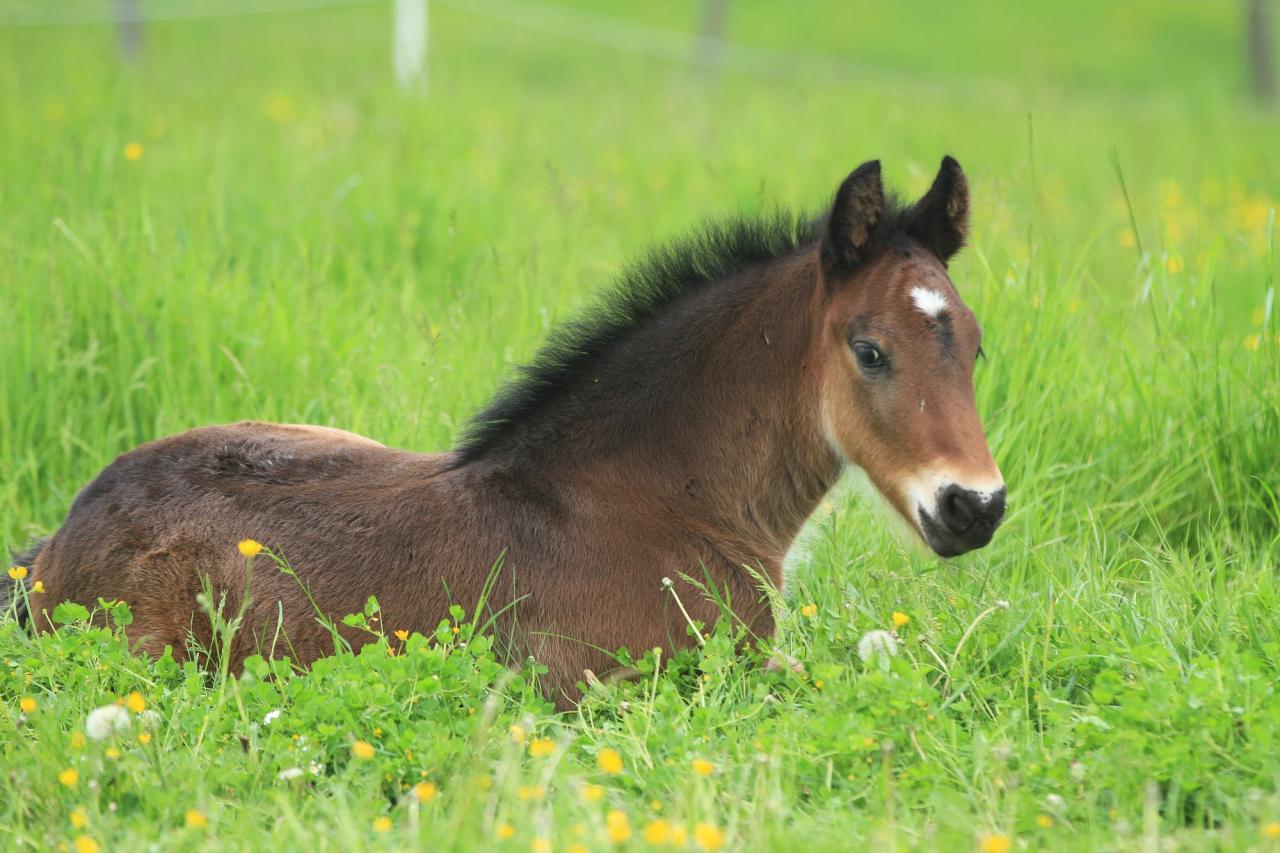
(857, 209)
(940, 219)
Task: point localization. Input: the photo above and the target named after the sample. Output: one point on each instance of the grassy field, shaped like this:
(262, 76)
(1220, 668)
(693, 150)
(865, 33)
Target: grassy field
(252, 222)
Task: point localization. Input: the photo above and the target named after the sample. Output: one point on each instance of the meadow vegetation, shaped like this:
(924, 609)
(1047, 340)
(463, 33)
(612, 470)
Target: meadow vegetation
(253, 222)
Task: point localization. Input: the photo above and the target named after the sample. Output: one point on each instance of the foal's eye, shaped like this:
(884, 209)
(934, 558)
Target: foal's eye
(869, 356)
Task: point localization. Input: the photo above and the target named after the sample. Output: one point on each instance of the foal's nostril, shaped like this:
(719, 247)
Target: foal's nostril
(958, 508)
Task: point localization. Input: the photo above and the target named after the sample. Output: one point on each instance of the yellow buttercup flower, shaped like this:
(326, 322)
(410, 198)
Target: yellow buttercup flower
(540, 845)
(708, 836)
(27, 704)
(135, 703)
(530, 792)
(591, 793)
(249, 548)
(85, 844)
(541, 747)
(38, 586)
(425, 791)
(1044, 821)
(679, 835)
(657, 831)
(133, 151)
(1252, 342)
(609, 760)
(1271, 830)
(382, 824)
(196, 819)
(505, 831)
(900, 618)
(402, 636)
(17, 573)
(617, 826)
(703, 767)
(995, 843)
(111, 752)
(144, 738)
(809, 610)
(362, 750)
(79, 819)
(1173, 264)
(517, 732)
(69, 777)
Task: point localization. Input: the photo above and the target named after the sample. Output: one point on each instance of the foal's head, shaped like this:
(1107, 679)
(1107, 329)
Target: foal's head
(898, 351)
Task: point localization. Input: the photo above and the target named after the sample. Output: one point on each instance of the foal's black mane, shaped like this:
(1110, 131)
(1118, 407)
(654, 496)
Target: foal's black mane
(646, 289)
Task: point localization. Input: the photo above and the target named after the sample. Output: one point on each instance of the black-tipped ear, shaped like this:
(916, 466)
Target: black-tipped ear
(851, 226)
(940, 219)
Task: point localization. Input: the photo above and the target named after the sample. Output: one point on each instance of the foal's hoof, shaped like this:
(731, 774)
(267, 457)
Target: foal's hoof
(779, 662)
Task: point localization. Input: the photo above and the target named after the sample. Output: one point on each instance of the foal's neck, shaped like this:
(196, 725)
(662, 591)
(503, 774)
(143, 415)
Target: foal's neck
(712, 414)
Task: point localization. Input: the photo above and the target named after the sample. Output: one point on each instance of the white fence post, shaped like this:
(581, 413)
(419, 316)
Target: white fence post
(409, 43)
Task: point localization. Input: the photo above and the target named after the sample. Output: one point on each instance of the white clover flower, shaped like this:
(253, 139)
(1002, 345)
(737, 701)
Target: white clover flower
(289, 773)
(1055, 802)
(271, 716)
(107, 721)
(316, 768)
(878, 644)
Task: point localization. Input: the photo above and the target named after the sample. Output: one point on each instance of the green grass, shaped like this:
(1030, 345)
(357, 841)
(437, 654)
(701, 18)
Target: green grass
(300, 242)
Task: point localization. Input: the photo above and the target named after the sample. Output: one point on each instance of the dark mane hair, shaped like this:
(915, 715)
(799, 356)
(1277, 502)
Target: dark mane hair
(645, 290)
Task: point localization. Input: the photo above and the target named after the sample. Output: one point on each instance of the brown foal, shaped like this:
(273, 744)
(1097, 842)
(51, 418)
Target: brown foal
(686, 428)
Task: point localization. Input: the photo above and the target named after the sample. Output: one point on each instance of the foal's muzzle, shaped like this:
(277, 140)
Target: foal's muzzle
(962, 519)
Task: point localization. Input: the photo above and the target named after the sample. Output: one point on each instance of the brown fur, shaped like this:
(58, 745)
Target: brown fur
(739, 423)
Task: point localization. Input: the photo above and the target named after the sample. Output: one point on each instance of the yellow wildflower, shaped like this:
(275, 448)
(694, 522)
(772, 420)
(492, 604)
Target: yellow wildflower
(382, 824)
(17, 573)
(133, 151)
(1044, 821)
(69, 777)
(809, 610)
(505, 831)
(591, 793)
(425, 791)
(402, 635)
(1173, 264)
(79, 819)
(77, 740)
(541, 747)
(617, 826)
(111, 752)
(1271, 830)
(1127, 239)
(609, 760)
(362, 750)
(900, 619)
(679, 835)
(703, 767)
(530, 792)
(1252, 342)
(135, 703)
(577, 847)
(85, 844)
(38, 586)
(540, 845)
(249, 548)
(657, 831)
(708, 836)
(196, 819)
(518, 733)
(144, 738)
(27, 704)
(995, 843)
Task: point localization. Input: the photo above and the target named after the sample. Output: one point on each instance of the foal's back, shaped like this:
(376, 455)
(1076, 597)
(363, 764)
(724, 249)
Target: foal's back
(162, 517)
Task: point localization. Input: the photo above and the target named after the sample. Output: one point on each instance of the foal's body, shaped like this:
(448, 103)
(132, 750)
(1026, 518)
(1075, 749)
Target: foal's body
(692, 437)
